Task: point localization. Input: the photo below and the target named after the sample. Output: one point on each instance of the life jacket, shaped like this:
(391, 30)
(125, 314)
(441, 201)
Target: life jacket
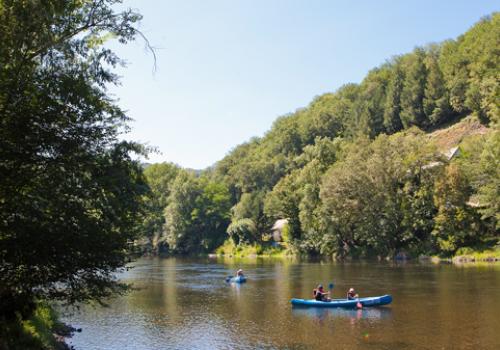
(318, 295)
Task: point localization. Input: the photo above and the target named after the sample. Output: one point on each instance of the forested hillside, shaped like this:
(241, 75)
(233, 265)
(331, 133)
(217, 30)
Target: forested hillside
(361, 171)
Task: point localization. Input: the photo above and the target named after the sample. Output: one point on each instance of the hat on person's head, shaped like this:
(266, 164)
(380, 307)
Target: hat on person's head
(351, 290)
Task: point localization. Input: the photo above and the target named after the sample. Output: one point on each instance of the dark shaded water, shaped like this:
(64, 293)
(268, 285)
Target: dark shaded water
(185, 304)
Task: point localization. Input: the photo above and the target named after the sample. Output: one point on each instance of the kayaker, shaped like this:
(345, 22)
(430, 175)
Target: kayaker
(351, 294)
(239, 273)
(320, 294)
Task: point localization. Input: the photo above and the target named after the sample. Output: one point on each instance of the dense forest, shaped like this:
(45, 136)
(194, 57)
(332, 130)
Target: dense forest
(357, 172)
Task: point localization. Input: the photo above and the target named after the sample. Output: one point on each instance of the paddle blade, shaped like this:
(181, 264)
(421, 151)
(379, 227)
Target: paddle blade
(359, 305)
(330, 286)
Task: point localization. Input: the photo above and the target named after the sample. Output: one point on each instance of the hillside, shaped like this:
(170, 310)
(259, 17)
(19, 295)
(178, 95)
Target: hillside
(447, 137)
(350, 172)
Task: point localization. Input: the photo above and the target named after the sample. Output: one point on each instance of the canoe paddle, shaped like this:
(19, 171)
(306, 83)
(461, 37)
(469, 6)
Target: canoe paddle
(330, 286)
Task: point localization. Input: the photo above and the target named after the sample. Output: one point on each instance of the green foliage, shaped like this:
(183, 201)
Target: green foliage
(242, 231)
(392, 110)
(413, 92)
(197, 215)
(456, 224)
(436, 100)
(344, 187)
(230, 249)
(159, 178)
(378, 192)
(369, 196)
(285, 233)
(369, 106)
(489, 180)
(70, 193)
(479, 48)
(37, 332)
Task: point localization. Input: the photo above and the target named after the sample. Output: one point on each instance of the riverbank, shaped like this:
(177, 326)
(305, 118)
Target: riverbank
(462, 256)
(42, 330)
(467, 255)
(229, 249)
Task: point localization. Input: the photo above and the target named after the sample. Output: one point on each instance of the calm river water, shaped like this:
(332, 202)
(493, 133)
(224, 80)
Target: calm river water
(185, 304)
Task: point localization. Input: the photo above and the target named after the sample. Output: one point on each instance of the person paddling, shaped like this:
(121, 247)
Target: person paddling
(351, 294)
(320, 294)
(239, 273)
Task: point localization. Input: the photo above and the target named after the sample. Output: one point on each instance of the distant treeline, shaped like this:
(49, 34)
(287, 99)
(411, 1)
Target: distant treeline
(355, 172)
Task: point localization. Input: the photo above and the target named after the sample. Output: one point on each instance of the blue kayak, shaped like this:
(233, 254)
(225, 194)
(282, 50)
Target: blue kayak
(371, 301)
(238, 279)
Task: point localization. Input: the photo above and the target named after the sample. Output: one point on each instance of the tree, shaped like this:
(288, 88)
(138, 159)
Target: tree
(159, 178)
(369, 107)
(212, 214)
(456, 224)
(479, 48)
(242, 231)
(197, 215)
(366, 195)
(180, 232)
(412, 95)
(489, 180)
(70, 194)
(436, 99)
(392, 108)
(251, 206)
(455, 73)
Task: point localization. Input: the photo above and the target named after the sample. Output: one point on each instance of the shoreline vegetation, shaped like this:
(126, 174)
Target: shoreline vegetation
(42, 330)
(468, 256)
(71, 189)
(403, 164)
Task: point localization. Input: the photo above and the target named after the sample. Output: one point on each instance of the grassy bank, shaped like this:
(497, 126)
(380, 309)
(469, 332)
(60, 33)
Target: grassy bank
(42, 330)
(465, 255)
(251, 250)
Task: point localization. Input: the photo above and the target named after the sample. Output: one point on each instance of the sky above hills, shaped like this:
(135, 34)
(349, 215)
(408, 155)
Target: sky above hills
(226, 69)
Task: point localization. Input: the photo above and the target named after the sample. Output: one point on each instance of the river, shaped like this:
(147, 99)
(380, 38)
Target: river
(186, 304)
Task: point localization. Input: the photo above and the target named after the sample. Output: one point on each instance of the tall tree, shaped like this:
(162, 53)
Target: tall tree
(197, 215)
(489, 180)
(436, 98)
(392, 108)
(456, 73)
(456, 224)
(369, 107)
(412, 95)
(70, 194)
(159, 178)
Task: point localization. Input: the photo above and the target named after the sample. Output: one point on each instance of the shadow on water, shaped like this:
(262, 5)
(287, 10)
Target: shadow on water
(373, 313)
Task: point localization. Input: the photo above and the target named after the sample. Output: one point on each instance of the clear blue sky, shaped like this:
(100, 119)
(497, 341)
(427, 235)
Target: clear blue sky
(227, 69)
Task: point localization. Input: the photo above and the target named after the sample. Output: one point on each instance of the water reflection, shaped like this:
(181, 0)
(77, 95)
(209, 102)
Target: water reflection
(186, 304)
(370, 313)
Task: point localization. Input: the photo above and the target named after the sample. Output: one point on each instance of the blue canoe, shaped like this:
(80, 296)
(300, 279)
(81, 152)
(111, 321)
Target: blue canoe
(371, 301)
(239, 279)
